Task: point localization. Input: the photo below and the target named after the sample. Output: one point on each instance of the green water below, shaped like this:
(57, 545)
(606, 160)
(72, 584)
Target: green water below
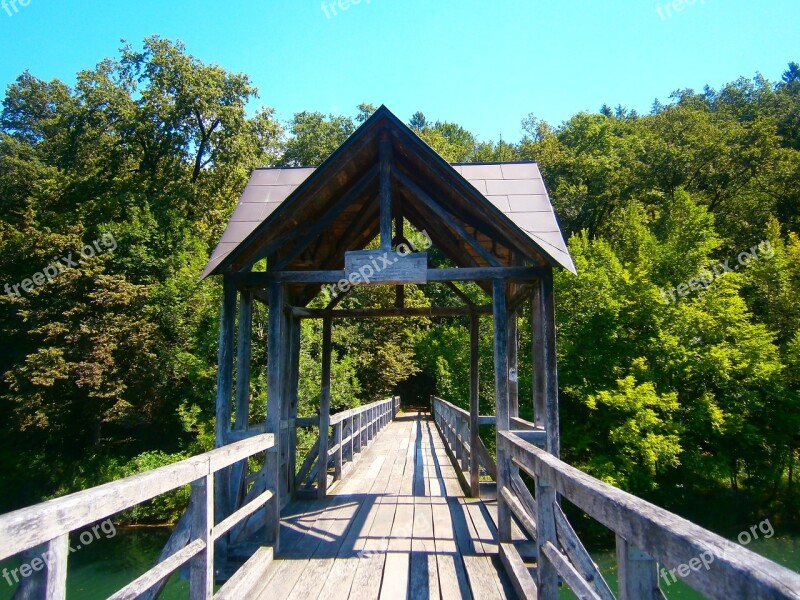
(98, 570)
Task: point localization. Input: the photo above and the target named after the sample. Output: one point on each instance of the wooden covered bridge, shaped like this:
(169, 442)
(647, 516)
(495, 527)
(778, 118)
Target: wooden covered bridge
(391, 502)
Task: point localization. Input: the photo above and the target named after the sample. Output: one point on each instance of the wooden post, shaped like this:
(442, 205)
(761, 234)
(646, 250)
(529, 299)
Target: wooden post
(637, 573)
(538, 357)
(221, 494)
(243, 353)
(201, 572)
(501, 404)
(56, 581)
(547, 576)
(385, 151)
(337, 457)
(513, 367)
(274, 389)
(242, 417)
(357, 433)
(474, 405)
(273, 508)
(325, 409)
(551, 411)
(294, 384)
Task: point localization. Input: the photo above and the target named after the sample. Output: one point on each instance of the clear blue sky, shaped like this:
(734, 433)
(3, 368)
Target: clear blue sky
(485, 64)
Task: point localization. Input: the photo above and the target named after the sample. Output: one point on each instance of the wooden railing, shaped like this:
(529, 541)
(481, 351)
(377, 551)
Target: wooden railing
(454, 425)
(353, 430)
(651, 542)
(48, 525)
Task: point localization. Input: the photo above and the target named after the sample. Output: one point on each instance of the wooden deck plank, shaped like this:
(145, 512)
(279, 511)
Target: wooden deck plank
(397, 528)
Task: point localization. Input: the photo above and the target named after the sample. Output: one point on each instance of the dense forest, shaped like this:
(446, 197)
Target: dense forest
(679, 340)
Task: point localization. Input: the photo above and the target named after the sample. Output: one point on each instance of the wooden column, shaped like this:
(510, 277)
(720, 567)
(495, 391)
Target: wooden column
(513, 367)
(551, 399)
(538, 357)
(242, 410)
(243, 352)
(385, 150)
(637, 573)
(501, 403)
(294, 385)
(325, 409)
(220, 495)
(474, 405)
(274, 401)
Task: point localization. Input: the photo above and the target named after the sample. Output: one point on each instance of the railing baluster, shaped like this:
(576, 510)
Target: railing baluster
(201, 576)
(637, 573)
(57, 553)
(337, 457)
(547, 575)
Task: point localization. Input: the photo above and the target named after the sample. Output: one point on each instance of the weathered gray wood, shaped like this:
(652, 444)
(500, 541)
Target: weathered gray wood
(579, 557)
(259, 280)
(313, 232)
(385, 158)
(381, 267)
(274, 389)
(36, 525)
(56, 578)
(337, 457)
(637, 573)
(518, 572)
(461, 295)
(536, 437)
(734, 572)
(549, 326)
(201, 573)
(538, 357)
(502, 408)
(324, 409)
(526, 520)
(513, 366)
(486, 460)
(474, 404)
(294, 391)
(249, 579)
(225, 356)
(570, 575)
(243, 353)
(160, 573)
(272, 514)
(523, 494)
(245, 511)
(447, 217)
(388, 313)
(546, 572)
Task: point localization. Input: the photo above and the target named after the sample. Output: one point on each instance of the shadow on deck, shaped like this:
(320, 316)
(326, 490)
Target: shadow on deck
(398, 526)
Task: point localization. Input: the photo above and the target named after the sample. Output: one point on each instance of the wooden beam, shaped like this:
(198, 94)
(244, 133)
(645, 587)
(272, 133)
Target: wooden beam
(513, 366)
(325, 409)
(457, 291)
(324, 222)
(263, 279)
(445, 216)
(385, 313)
(294, 391)
(385, 151)
(227, 326)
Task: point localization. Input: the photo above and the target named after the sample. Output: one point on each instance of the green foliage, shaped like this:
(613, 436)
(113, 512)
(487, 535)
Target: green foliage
(109, 369)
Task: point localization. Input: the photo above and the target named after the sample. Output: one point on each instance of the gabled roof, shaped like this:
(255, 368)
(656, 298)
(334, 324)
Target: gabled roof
(504, 206)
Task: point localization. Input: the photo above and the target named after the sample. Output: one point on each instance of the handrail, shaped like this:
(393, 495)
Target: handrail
(353, 429)
(51, 522)
(454, 424)
(646, 533)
